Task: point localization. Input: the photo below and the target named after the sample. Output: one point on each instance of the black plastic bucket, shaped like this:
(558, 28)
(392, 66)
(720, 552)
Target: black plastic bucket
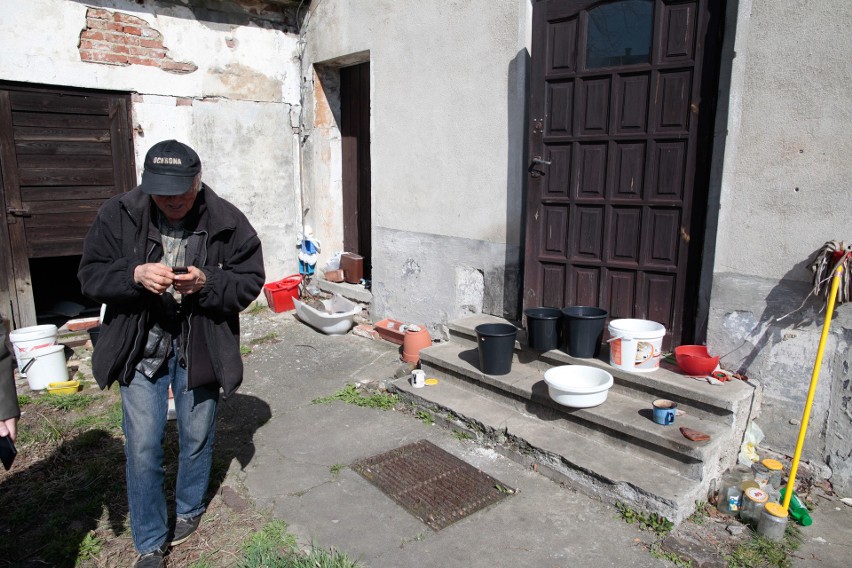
(543, 328)
(495, 343)
(582, 330)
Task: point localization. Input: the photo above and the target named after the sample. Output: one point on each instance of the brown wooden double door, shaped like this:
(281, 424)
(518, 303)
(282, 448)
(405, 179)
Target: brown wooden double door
(62, 154)
(617, 163)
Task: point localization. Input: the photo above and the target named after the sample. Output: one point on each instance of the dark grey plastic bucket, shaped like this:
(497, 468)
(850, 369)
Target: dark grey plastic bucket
(495, 343)
(582, 330)
(543, 328)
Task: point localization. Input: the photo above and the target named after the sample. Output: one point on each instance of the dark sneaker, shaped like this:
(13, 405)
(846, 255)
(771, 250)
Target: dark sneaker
(151, 560)
(184, 529)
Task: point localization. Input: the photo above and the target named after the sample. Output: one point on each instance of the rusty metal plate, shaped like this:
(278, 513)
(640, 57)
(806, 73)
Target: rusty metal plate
(431, 484)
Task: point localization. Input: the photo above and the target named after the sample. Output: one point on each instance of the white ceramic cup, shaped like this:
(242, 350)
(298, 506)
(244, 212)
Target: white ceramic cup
(418, 378)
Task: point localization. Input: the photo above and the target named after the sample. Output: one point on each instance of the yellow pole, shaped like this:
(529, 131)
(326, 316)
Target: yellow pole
(829, 310)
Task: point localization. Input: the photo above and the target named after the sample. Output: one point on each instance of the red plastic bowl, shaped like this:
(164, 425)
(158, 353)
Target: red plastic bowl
(695, 360)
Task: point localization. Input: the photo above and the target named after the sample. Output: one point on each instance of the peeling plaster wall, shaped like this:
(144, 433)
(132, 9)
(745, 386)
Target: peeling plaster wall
(237, 109)
(784, 191)
(448, 131)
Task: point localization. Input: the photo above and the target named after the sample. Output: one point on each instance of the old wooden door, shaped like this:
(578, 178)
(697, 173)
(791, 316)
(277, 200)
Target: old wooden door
(62, 154)
(620, 99)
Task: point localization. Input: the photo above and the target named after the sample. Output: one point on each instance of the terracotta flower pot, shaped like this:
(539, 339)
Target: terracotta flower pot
(416, 338)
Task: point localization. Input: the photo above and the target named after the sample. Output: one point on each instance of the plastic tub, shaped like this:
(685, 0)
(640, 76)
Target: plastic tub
(578, 386)
(45, 365)
(26, 339)
(636, 344)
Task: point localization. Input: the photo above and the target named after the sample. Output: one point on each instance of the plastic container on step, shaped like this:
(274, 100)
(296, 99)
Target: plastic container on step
(582, 330)
(543, 328)
(352, 266)
(495, 344)
(636, 344)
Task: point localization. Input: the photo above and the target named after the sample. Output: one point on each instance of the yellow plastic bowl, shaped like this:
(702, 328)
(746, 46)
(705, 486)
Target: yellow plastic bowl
(66, 387)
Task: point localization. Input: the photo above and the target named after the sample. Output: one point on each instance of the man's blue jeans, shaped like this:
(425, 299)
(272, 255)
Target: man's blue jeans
(145, 409)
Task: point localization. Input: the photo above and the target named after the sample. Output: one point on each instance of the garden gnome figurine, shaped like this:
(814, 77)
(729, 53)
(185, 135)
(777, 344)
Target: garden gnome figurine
(309, 248)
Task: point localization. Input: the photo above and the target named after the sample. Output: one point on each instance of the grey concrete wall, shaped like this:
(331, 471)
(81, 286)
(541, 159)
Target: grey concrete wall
(237, 108)
(448, 105)
(782, 192)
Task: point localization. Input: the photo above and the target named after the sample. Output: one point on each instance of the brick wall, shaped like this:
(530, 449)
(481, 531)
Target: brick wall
(114, 38)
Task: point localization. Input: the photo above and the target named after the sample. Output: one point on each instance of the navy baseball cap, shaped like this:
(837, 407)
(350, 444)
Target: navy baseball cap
(170, 167)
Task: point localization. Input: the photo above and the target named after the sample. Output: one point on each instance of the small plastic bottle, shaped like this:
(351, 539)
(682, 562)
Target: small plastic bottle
(773, 522)
(798, 511)
(776, 470)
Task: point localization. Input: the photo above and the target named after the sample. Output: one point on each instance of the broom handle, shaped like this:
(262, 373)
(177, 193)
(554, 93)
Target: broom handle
(829, 311)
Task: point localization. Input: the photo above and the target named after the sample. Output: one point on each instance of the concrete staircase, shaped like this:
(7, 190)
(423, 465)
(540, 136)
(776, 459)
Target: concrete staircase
(614, 451)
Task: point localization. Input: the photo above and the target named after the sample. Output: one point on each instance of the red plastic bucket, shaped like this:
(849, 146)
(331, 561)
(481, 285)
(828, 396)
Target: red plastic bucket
(280, 294)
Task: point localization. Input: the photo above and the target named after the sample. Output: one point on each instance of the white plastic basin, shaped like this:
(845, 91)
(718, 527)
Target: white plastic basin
(578, 386)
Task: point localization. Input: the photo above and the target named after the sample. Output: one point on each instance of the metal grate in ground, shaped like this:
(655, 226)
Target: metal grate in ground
(431, 484)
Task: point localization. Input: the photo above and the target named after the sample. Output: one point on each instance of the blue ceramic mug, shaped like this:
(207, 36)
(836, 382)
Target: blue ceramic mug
(664, 411)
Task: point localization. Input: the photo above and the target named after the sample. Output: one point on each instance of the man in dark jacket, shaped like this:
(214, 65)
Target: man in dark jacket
(175, 264)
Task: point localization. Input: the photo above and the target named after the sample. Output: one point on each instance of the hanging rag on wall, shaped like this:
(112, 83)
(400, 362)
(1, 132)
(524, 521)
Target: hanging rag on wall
(832, 254)
(826, 260)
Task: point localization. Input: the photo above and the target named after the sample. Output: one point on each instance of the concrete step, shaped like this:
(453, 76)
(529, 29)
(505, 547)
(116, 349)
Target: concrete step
(597, 468)
(611, 450)
(622, 421)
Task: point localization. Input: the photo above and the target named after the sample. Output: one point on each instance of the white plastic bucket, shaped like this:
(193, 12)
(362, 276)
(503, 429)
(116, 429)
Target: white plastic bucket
(46, 365)
(26, 339)
(636, 344)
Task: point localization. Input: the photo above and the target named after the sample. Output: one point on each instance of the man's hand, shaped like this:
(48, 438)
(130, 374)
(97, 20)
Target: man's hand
(154, 276)
(9, 427)
(191, 282)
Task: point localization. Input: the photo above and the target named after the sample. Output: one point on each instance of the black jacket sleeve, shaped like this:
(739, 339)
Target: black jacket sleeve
(8, 395)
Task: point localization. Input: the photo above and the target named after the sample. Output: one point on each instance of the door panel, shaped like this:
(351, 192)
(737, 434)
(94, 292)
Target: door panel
(616, 89)
(62, 154)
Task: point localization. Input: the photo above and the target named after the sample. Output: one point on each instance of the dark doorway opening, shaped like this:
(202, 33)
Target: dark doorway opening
(56, 291)
(355, 134)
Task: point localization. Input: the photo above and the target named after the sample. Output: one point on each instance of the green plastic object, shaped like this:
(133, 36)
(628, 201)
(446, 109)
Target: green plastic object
(797, 509)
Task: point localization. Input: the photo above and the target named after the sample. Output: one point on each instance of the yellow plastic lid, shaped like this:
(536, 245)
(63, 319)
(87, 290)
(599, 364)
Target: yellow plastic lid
(776, 510)
(772, 464)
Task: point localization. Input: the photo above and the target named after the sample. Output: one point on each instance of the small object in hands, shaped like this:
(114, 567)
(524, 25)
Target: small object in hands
(7, 452)
(694, 435)
(179, 269)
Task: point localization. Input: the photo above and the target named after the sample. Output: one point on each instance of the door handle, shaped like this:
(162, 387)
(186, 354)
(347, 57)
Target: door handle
(537, 161)
(19, 212)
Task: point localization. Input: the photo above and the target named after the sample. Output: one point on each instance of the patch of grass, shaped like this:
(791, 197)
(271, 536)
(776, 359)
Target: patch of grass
(66, 402)
(24, 399)
(657, 552)
(268, 338)
(699, 517)
(337, 468)
(351, 395)
(461, 435)
(657, 523)
(760, 552)
(256, 308)
(245, 350)
(425, 417)
(89, 548)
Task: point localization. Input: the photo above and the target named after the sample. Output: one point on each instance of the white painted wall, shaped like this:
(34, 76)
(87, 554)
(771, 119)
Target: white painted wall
(447, 142)
(784, 191)
(236, 109)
